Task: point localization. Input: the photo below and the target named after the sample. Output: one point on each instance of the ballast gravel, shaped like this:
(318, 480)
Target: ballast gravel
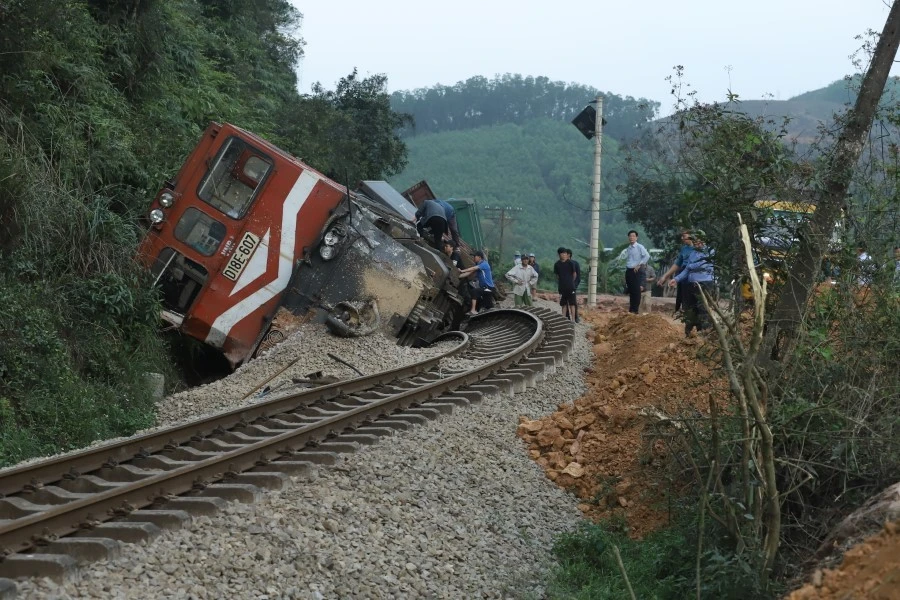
(451, 509)
(305, 352)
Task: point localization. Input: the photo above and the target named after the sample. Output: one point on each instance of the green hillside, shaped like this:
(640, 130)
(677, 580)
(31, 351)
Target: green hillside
(543, 166)
(809, 110)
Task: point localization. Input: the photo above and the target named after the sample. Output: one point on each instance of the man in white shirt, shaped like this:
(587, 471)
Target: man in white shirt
(636, 258)
(524, 278)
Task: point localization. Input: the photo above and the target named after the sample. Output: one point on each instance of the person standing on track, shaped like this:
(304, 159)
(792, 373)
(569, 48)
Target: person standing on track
(636, 258)
(523, 278)
(565, 273)
(534, 264)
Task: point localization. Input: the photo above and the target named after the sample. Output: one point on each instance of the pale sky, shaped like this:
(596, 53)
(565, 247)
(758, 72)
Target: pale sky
(770, 48)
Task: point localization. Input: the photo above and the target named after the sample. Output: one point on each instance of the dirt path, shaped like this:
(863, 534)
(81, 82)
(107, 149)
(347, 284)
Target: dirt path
(606, 447)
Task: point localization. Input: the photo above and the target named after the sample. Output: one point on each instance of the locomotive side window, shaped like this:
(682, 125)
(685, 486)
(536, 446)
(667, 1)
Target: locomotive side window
(231, 183)
(179, 278)
(200, 231)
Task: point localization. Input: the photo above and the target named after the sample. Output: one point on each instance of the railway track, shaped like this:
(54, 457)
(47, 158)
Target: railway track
(59, 512)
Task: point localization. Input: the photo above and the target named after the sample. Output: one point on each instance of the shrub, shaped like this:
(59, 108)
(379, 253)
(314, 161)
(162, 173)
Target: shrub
(661, 566)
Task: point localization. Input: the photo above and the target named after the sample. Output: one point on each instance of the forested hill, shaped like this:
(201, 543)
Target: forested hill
(808, 111)
(543, 166)
(509, 141)
(479, 102)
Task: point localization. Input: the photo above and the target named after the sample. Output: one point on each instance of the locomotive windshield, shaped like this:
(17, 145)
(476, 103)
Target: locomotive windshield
(200, 231)
(236, 175)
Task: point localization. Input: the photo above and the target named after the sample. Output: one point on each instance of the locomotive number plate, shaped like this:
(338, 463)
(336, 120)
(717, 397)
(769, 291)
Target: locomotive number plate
(241, 256)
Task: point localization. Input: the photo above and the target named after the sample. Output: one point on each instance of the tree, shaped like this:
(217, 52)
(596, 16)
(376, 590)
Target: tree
(513, 98)
(705, 164)
(784, 325)
(350, 133)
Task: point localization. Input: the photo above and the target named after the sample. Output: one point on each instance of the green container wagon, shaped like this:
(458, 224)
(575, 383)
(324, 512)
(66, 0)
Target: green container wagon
(467, 219)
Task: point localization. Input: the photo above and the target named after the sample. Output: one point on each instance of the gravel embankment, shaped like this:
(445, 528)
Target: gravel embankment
(303, 353)
(452, 509)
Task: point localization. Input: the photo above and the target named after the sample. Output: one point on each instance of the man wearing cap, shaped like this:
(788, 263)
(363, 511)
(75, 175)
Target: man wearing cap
(699, 278)
(523, 278)
(534, 264)
(485, 291)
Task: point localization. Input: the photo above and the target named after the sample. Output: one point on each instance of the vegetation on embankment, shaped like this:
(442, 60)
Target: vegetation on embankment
(100, 101)
(807, 430)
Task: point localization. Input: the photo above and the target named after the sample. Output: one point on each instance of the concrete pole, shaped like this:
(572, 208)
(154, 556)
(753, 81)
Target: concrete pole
(595, 208)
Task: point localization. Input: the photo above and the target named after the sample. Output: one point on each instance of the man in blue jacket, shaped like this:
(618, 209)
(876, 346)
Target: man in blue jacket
(699, 278)
(687, 246)
(452, 225)
(432, 216)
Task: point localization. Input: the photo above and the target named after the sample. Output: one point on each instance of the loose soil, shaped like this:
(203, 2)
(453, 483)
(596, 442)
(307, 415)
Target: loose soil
(869, 570)
(609, 447)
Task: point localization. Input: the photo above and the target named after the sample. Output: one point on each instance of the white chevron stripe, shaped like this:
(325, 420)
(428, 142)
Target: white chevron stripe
(295, 200)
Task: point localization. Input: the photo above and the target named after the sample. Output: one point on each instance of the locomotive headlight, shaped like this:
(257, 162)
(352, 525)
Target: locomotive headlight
(327, 252)
(156, 216)
(166, 200)
(332, 238)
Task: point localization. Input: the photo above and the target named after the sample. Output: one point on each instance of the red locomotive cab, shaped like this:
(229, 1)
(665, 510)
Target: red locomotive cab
(227, 233)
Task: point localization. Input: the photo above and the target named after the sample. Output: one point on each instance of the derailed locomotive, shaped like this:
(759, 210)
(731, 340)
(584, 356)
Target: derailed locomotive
(247, 241)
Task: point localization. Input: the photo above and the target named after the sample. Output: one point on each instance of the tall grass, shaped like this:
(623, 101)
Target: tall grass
(78, 320)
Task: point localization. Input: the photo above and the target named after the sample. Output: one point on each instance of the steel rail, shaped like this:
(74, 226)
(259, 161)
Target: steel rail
(23, 533)
(37, 474)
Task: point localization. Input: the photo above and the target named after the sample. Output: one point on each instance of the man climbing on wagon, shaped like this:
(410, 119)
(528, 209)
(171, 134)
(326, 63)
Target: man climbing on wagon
(483, 297)
(432, 216)
(452, 225)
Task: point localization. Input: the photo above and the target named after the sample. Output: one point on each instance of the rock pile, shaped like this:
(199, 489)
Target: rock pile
(604, 445)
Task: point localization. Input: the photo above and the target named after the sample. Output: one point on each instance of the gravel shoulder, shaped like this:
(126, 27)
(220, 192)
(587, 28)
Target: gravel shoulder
(452, 509)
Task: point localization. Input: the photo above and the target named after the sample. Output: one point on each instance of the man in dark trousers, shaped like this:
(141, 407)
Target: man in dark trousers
(534, 264)
(452, 225)
(699, 278)
(565, 272)
(431, 216)
(687, 246)
(636, 258)
(483, 297)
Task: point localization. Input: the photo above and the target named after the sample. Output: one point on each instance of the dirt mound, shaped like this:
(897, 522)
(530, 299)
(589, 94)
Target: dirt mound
(870, 570)
(603, 447)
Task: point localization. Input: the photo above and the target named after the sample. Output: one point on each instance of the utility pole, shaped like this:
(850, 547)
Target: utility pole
(590, 123)
(595, 206)
(503, 215)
